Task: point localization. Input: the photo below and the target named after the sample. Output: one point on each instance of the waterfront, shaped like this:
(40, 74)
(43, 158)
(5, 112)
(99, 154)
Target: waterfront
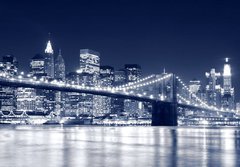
(27, 145)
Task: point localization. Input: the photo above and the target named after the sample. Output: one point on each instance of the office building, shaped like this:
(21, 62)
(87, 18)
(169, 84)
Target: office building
(213, 88)
(9, 68)
(49, 60)
(37, 66)
(133, 73)
(102, 105)
(228, 90)
(59, 67)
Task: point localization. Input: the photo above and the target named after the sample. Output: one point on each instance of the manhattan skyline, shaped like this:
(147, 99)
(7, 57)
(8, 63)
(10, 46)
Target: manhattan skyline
(177, 37)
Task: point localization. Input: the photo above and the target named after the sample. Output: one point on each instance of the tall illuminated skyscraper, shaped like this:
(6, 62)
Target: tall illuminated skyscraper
(49, 101)
(213, 88)
(59, 67)
(228, 90)
(133, 73)
(59, 72)
(49, 60)
(227, 78)
(26, 98)
(90, 63)
(9, 67)
(102, 105)
(89, 70)
(37, 66)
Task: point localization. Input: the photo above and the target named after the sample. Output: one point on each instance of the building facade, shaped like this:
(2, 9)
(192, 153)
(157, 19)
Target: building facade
(49, 60)
(133, 73)
(59, 67)
(102, 105)
(8, 100)
(228, 90)
(89, 71)
(213, 88)
(37, 66)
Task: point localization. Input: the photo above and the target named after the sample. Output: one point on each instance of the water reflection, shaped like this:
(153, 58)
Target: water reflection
(118, 146)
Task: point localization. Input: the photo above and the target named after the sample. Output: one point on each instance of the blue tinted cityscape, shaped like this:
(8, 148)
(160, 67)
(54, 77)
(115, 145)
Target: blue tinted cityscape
(126, 83)
(101, 95)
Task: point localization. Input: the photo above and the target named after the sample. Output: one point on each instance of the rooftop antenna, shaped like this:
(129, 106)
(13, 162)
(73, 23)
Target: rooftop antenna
(49, 36)
(49, 49)
(227, 59)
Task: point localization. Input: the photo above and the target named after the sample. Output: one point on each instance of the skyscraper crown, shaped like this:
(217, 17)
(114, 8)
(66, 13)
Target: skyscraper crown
(49, 49)
(227, 68)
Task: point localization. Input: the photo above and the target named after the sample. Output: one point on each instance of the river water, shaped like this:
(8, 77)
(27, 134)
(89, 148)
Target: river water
(92, 146)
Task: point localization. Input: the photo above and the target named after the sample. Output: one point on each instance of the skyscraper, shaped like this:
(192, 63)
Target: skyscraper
(133, 73)
(106, 77)
(194, 86)
(37, 66)
(59, 67)
(37, 69)
(26, 98)
(89, 68)
(49, 100)
(59, 74)
(9, 67)
(228, 90)
(213, 88)
(89, 62)
(102, 105)
(49, 60)
(120, 77)
(72, 99)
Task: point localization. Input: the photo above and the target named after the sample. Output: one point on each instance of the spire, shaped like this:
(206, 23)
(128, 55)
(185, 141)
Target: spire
(49, 49)
(60, 52)
(59, 56)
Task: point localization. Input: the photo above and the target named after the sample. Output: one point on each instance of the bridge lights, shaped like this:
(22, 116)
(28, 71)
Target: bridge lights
(204, 122)
(162, 97)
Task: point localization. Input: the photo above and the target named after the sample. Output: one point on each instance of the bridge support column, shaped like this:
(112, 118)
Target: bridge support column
(164, 114)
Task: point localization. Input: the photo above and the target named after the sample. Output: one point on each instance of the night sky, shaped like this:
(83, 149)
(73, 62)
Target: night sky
(186, 37)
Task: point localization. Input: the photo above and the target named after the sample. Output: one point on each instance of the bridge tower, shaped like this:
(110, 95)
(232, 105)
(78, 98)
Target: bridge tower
(165, 114)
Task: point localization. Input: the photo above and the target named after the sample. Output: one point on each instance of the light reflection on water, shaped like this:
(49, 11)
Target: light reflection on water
(118, 146)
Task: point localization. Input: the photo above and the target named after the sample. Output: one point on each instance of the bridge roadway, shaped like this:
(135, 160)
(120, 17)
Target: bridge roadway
(26, 83)
(166, 111)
